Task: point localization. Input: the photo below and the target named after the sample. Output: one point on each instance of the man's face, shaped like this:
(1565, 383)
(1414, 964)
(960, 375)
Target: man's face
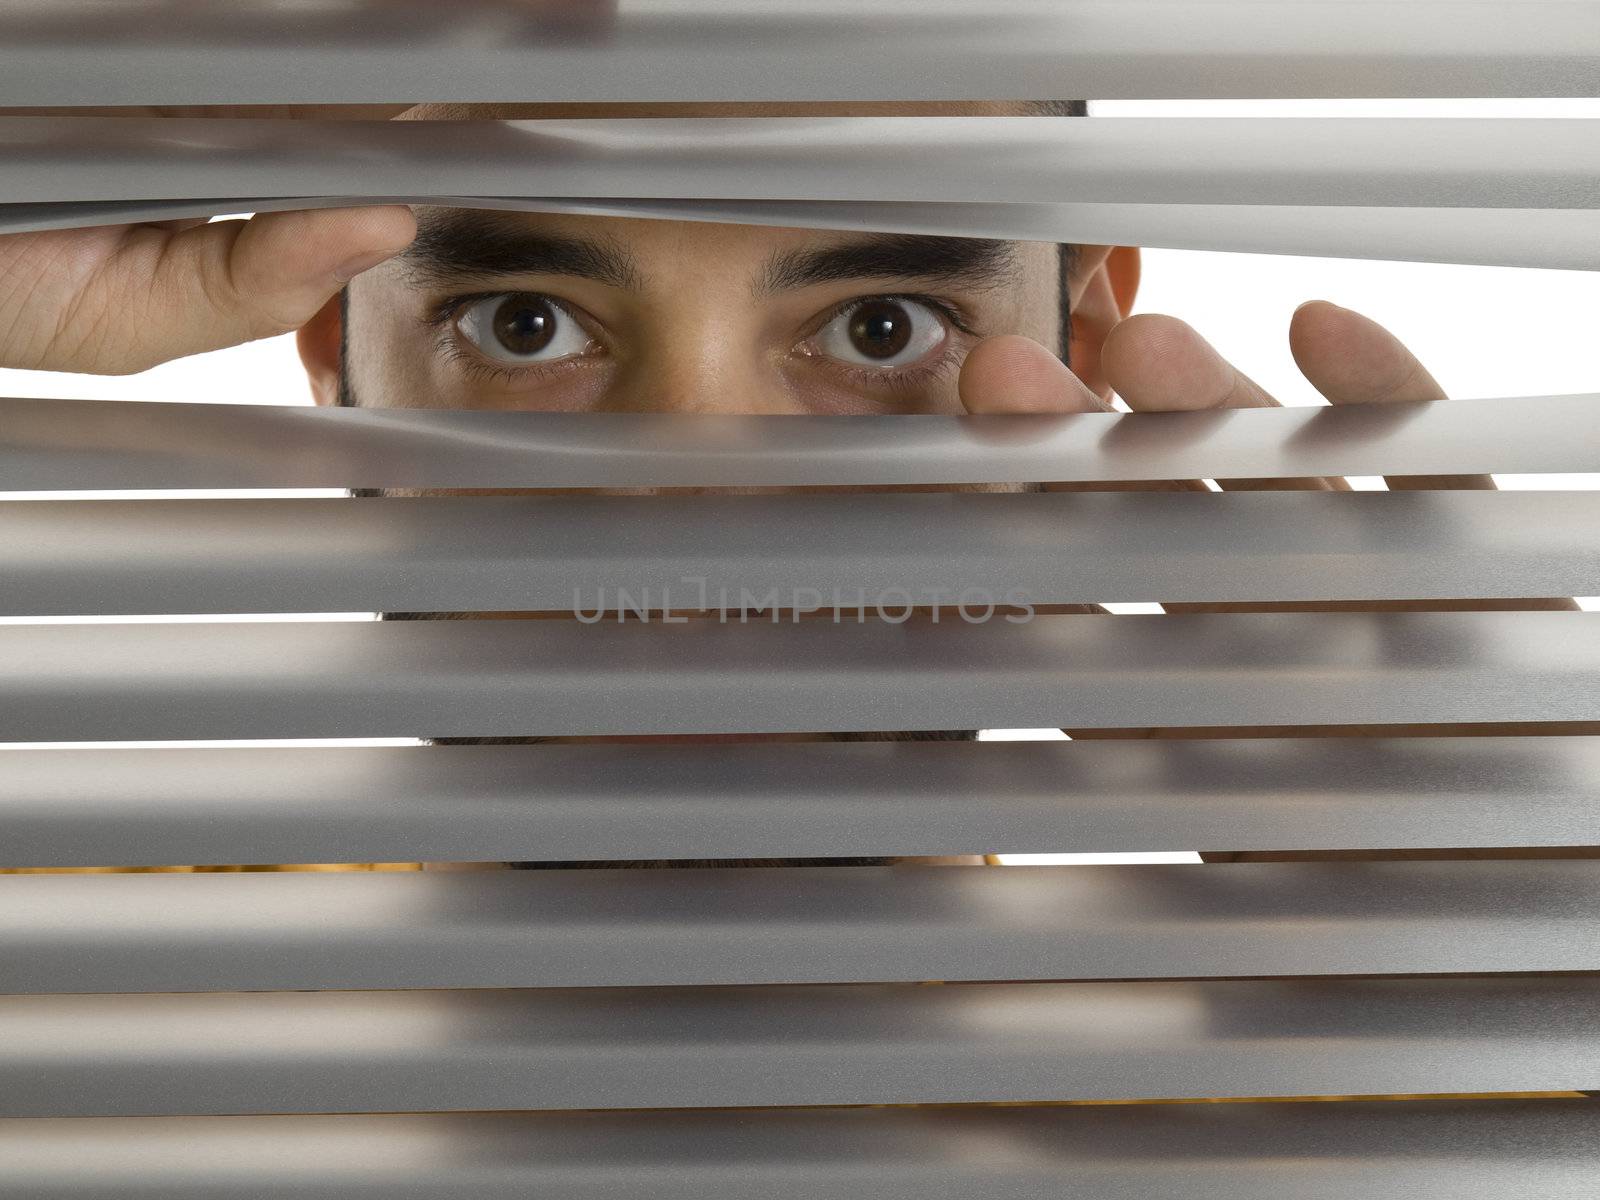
(564, 313)
(575, 313)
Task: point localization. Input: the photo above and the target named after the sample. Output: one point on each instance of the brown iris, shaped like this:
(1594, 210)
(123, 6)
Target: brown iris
(880, 329)
(525, 324)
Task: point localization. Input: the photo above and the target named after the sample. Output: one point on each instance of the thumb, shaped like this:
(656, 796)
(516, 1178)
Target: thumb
(216, 285)
(1014, 374)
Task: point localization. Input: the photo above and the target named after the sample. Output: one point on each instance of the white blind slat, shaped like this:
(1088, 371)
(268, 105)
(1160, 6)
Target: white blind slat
(90, 445)
(264, 51)
(790, 800)
(637, 1048)
(775, 674)
(1324, 162)
(597, 553)
(1428, 1150)
(1557, 239)
(299, 931)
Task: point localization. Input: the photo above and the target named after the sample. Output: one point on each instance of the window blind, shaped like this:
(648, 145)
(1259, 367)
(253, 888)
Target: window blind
(275, 993)
(594, 555)
(81, 445)
(830, 1154)
(805, 1031)
(568, 679)
(698, 1048)
(1324, 162)
(621, 803)
(759, 925)
(1561, 239)
(177, 52)
(1148, 179)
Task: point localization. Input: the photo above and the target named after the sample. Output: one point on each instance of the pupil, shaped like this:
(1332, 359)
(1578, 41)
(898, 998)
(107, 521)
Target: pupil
(880, 330)
(525, 324)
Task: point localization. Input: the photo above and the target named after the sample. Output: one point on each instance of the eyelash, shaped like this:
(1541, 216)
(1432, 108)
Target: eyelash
(906, 380)
(950, 311)
(442, 321)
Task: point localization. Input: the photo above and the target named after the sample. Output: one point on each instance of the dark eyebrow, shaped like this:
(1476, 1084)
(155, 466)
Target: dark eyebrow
(977, 262)
(455, 244)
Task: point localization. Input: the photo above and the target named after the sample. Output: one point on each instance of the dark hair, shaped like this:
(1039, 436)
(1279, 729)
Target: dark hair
(1059, 108)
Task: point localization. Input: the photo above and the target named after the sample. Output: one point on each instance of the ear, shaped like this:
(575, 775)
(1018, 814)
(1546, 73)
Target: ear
(1100, 293)
(319, 343)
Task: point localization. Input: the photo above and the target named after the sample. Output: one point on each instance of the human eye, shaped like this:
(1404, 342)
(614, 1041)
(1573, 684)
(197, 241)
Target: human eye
(884, 332)
(521, 328)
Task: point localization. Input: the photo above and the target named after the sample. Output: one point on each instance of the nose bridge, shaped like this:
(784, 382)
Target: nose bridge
(702, 350)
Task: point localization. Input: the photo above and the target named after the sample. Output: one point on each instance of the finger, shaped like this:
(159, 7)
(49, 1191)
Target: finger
(1351, 359)
(1013, 374)
(228, 282)
(177, 224)
(1160, 364)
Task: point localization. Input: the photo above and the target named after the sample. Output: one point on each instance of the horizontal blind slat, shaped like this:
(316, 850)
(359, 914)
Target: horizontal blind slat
(815, 800)
(1517, 163)
(1557, 239)
(256, 51)
(609, 928)
(1431, 1150)
(519, 678)
(594, 553)
(96, 445)
(332, 1052)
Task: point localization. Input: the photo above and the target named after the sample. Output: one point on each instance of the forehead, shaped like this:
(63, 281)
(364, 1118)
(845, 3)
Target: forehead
(458, 232)
(665, 257)
(684, 245)
(677, 250)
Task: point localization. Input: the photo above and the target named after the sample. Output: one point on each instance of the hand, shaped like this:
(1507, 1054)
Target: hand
(1160, 364)
(118, 299)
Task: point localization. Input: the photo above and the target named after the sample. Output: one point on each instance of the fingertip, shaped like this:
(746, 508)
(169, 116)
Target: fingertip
(1015, 374)
(1159, 362)
(1318, 331)
(1148, 343)
(1352, 359)
(1320, 324)
(333, 245)
(1321, 320)
(380, 232)
(1315, 304)
(390, 226)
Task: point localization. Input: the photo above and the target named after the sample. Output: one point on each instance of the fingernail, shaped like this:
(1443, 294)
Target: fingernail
(362, 262)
